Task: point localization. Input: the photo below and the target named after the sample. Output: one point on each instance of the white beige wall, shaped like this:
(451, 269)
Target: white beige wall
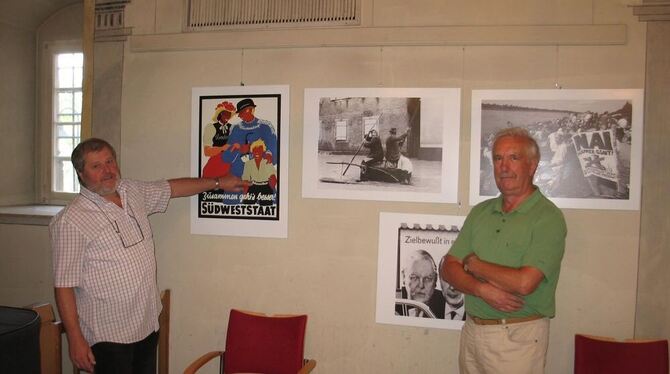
(19, 31)
(17, 114)
(327, 266)
(653, 309)
(25, 269)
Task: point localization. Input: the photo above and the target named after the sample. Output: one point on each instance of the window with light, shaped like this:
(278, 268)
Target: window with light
(67, 106)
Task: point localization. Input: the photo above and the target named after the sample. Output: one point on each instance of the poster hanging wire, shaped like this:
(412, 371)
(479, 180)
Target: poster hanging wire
(556, 84)
(242, 69)
(459, 202)
(380, 82)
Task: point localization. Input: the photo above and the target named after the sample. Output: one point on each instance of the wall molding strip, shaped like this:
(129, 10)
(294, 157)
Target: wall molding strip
(384, 36)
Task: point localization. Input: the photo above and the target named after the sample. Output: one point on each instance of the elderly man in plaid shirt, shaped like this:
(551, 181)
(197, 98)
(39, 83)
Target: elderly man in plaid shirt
(104, 264)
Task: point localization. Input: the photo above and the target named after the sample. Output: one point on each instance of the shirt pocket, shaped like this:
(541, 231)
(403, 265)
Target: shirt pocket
(515, 248)
(130, 231)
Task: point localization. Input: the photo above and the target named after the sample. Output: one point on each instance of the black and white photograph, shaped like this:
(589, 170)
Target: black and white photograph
(409, 289)
(394, 144)
(590, 143)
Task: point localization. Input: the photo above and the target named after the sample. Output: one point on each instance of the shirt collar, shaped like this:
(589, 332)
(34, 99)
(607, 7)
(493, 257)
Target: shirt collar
(525, 205)
(460, 311)
(99, 200)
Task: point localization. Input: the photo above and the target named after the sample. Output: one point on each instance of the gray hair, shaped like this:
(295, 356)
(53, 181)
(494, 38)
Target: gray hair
(532, 149)
(416, 255)
(85, 147)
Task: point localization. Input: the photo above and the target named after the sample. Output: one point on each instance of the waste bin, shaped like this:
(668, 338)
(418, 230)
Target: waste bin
(19, 341)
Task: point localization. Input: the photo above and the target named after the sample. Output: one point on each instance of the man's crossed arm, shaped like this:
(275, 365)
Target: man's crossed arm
(500, 286)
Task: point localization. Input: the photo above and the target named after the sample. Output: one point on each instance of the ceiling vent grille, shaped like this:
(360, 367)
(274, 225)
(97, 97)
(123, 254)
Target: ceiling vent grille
(224, 14)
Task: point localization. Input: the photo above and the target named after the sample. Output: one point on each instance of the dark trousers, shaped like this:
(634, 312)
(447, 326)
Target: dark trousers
(133, 358)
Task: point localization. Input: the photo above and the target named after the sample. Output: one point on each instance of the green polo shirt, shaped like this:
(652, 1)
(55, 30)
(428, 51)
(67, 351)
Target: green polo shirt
(531, 235)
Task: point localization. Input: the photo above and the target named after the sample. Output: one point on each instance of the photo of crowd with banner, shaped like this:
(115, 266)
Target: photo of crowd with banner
(590, 143)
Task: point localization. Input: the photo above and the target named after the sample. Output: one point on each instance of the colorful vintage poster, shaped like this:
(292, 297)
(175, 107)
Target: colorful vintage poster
(409, 289)
(590, 143)
(241, 131)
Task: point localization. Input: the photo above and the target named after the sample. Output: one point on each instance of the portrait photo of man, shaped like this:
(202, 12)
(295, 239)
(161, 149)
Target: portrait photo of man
(409, 289)
(454, 308)
(419, 277)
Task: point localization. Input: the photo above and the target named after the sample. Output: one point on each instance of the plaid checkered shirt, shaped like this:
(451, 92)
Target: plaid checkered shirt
(106, 253)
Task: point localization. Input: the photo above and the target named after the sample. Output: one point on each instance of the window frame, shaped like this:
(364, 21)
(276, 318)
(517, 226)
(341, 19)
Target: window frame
(341, 126)
(45, 128)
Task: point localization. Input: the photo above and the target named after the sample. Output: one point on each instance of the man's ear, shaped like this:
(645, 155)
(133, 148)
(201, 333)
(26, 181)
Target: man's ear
(533, 166)
(81, 179)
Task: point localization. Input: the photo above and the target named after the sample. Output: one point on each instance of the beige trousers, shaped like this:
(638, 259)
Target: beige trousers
(518, 348)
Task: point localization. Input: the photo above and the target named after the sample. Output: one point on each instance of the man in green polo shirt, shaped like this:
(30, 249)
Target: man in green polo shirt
(507, 260)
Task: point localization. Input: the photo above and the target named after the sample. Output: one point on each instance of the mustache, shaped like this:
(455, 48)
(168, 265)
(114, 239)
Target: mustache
(110, 175)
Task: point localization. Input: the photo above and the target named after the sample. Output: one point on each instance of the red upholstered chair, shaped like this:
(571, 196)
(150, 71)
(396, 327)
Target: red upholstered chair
(257, 343)
(595, 355)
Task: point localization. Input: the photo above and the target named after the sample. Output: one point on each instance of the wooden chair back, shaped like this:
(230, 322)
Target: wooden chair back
(595, 354)
(259, 343)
